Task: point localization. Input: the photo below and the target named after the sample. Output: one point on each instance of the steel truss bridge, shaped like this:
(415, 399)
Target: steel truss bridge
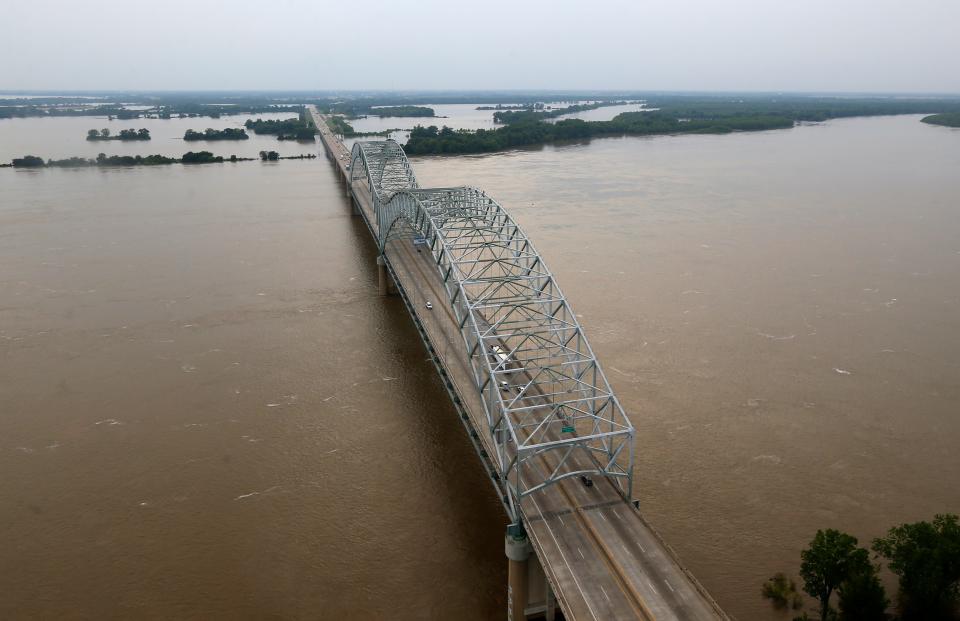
(555, 441)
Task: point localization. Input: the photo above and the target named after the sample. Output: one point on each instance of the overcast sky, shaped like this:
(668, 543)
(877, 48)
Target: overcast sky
(759, 45)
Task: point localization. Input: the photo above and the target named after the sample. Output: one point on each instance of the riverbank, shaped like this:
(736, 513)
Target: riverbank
(949, 119)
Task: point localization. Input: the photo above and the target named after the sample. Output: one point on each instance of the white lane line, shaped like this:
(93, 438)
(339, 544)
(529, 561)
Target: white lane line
(625, 549)
(617, 514)
(653, 587)
(581, 552)
(560, 517)
(669, 585)
(564, 558)
(642, 549)
(603, 516)
(604, 592)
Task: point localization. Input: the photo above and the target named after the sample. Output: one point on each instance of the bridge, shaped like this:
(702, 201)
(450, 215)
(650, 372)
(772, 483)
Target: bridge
(548, 429)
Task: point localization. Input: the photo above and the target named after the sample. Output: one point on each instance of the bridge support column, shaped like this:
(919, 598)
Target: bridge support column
(517, 548)
(382, 277)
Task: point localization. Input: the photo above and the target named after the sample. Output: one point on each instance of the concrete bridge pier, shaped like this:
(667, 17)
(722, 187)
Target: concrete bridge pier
(383, 285)
(517, 548)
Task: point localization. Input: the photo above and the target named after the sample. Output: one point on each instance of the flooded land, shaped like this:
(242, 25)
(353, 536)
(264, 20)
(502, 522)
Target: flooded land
(206, 411)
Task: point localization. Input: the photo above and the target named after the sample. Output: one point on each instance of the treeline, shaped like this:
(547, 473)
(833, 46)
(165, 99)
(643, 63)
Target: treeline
(355, 110)
(165, 111)
(125, 134)
(796, 107)
(925, 556)
(273, 156)
(339, 125)
(393, 111)
(284, 129)
(540, 114)
(190, 157)
(230, 133)
(430, 140)
(947, 119)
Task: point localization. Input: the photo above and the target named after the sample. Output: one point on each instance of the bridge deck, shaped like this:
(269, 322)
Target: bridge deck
(601, 557)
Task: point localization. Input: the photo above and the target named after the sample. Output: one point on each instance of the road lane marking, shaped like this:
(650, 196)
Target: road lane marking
(642, 549)
(581, 553)
(669, 585)
(653, 587)
(604, 592)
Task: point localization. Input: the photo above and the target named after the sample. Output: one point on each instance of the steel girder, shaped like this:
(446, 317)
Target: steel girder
(549, 411)
(384, 166)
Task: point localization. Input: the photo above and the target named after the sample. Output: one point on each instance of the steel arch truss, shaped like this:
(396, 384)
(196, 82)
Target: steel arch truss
(384, 166)
(550, 412)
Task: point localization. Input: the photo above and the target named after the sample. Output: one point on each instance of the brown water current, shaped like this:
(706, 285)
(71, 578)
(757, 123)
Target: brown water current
(207, 412)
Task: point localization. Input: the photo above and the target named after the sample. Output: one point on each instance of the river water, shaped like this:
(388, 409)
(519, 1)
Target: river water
(207, 412)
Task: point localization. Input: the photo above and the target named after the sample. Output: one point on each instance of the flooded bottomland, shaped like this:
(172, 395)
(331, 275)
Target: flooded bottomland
(207, 412)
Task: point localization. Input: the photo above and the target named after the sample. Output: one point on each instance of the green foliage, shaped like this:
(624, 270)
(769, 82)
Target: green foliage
(133, 160)
(832, 558)
(339, 125)
(948, 119)
(782, 592)
(28, 161)
(200, 157)
(269, 156)
(926, 557)
(230, 133)
(430, 140)
(392, 111)
(284, 129)
(125, 134)
(862, 597)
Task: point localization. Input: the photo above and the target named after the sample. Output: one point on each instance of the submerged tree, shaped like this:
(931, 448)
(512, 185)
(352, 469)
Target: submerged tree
(832, 558)
(926, 557)
(782, 592)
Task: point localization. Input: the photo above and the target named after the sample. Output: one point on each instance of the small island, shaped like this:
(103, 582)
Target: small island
(229, 133)
(388, 111)
(284, 129)
(125, 134)
(947, 119)
(190, 157)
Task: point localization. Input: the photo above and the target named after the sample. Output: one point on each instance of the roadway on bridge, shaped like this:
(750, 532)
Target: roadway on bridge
(602, 558)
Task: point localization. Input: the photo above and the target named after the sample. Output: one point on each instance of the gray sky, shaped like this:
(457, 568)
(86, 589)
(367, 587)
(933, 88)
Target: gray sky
(813, 45)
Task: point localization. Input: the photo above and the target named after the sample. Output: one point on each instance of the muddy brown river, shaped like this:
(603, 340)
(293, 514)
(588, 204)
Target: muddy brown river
(207, 412)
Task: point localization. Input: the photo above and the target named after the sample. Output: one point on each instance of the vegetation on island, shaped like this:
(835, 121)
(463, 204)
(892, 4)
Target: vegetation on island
(947, 119)
(190, 157)
(339, 125)
(284, 129)
(540, 112)
(666, 115)
(505, 107)
(125, 134)
(230, 133)
(430, 140)
(925, 556)
(396, 111)
(356, 110)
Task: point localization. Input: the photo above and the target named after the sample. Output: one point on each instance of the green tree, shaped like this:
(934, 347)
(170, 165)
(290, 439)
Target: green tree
(93, 134)
(862, 597)
(926, 557)
(832, 558)
(104, 133)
